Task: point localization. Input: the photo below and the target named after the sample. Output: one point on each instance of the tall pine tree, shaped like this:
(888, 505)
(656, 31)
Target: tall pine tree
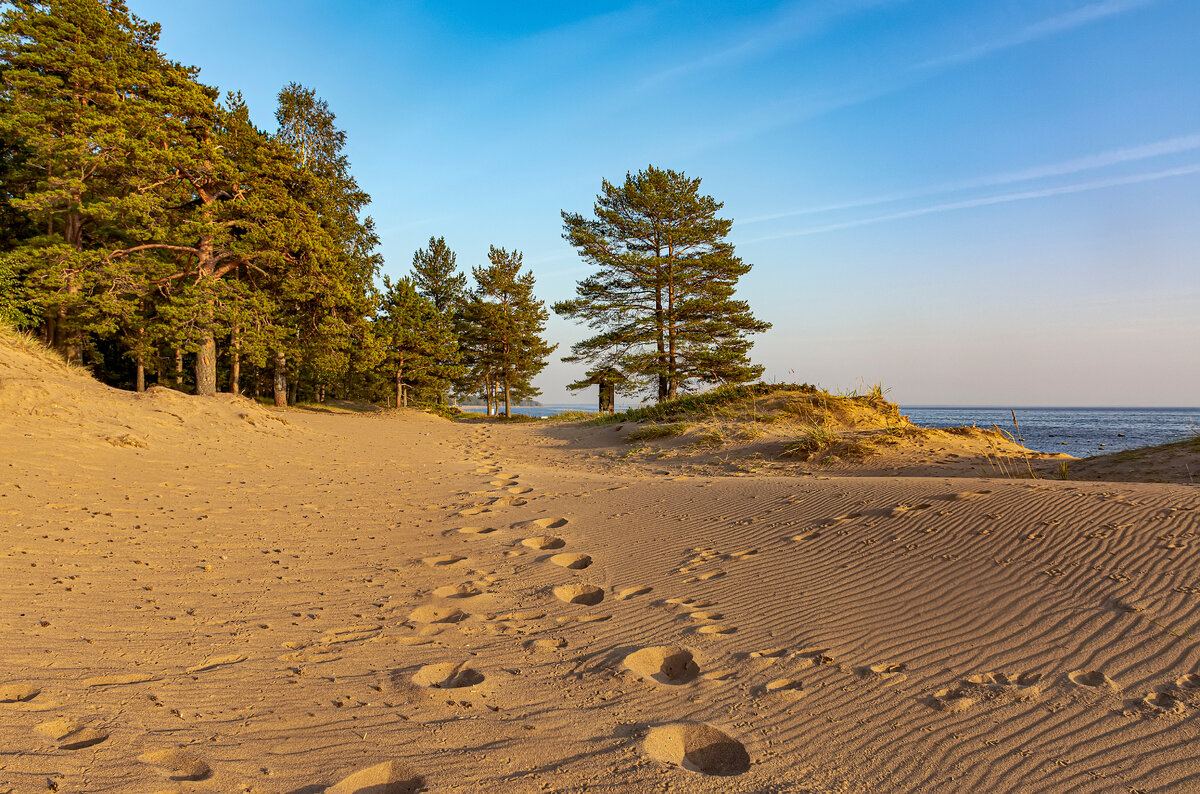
(662, 298)
(504, 324)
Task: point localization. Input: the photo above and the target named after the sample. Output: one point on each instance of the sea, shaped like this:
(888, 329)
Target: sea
(1081, 432)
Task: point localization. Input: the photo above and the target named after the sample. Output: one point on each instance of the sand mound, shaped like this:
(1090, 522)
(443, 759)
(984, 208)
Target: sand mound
(18, 692)
(431, 613)
(698, 747)
(665, 664)
(52, 400)
(390, 777)
(586, 594)
(543, 542)
(447, 676)
(575, 562)
(176, 765)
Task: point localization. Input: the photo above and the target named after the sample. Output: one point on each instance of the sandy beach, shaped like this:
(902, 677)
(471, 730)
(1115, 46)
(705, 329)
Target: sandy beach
(207, 596)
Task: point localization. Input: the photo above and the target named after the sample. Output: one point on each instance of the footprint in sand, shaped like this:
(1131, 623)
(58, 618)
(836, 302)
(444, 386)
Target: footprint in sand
(544, 542)
(630, 592)
(769, 653)
(595, 618)
(442, 559)
(966, 496)
(694, 603)
(1191, 681)
(465, 590)
(118, 680)
(704, 577)
(351, 634)
(787, 686)
(803, 536)
(884, 672)
(541, 523)
(697, 747)
(431, 613)
(546, 644)
(706, 615)
(18, 692)
(390, 777)
(519, 615)
(509, 501)
(467, 512)
(217, 661)
(476, 531)
(953, 700)
(1093, 679)
(1160, 704)
(715, 628)
(519, 490)
(447, 676)
(71, 734)
(503, 483)
(1024, 686)
(666, 664)
(575, 562)
(176, 765)
(585, 594)
(815, 656)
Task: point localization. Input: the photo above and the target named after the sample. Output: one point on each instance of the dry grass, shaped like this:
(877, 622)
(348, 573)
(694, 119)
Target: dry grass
(26, 343)
(651, 432)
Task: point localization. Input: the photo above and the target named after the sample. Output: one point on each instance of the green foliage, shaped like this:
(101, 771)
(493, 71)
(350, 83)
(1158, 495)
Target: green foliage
(140, 212)
(662, 300)
(436, 276)
(417, 341)
(501, 331)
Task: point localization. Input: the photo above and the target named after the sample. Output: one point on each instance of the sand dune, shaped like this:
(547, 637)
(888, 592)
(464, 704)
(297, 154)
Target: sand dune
(240, 603)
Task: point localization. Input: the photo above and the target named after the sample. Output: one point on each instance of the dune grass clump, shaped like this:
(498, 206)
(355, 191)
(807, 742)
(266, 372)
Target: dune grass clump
(813, 440)
(27, 343)
(652, 432)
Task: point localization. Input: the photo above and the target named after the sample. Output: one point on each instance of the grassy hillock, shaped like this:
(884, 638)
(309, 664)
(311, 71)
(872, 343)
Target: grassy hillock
(811, 421)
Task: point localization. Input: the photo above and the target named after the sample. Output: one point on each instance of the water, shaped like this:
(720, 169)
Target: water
(543, 411)
(1076, 431)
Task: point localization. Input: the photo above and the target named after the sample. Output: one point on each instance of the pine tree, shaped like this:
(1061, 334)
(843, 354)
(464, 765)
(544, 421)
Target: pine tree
(417, 340)
(436, 276)
(662, 299)
(504, 325)
(327, 294)
(78, 95)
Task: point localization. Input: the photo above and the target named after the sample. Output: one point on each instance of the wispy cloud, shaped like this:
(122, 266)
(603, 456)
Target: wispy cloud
(1045, 28)
(1081, 187)
(1185, 143)
(799, 108)
(793, 23)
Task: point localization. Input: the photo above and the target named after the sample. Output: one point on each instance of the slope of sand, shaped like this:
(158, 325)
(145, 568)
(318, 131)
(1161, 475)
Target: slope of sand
(393, 600)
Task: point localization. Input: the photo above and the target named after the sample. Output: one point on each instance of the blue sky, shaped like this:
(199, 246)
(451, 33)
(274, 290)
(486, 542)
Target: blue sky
(974, 202)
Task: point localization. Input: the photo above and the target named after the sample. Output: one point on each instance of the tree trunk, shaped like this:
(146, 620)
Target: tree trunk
(206, 356)
(141, 375)
(507, 397)
(178, 368)
(206, 365)
(399, 388)
(235, 364)
(294, 391)
(281, 384)
(72, 347)
(487, 393)
(662, 351)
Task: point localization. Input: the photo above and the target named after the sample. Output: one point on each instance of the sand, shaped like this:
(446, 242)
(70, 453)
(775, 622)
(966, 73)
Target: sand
(205, 596)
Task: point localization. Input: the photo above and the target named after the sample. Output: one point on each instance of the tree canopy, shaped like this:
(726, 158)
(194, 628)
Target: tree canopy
(663, 298)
